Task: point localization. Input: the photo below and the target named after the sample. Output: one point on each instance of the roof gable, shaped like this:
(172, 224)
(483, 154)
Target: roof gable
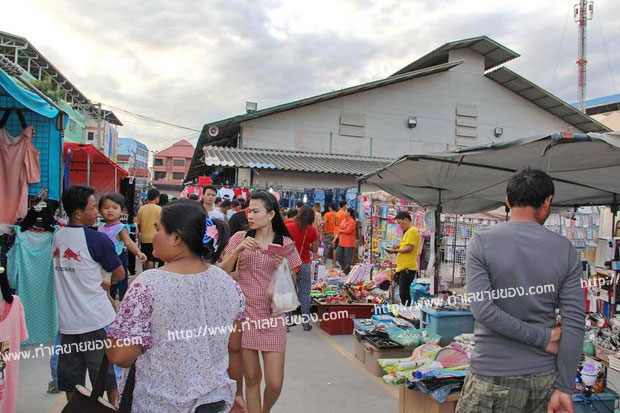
(494, 54)
(181, 149)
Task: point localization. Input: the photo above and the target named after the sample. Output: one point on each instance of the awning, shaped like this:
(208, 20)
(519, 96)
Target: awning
(27, 98)
(89, 166)
(291, 161)
(585, 170)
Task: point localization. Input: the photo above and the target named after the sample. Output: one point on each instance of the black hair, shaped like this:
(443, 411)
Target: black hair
(76, 198)
(152, 194)
(332, 207)
(163, 200)
(211, 187)
(271, 204)
(114, 197)
(305, 217)
(299, 204)
(403, 215)
(225, 204)
(217, 198)
(243, 202)
(187, 219)
(529, 187)
(343, 204)
(193, 197)
(351, 212)
(292, 213)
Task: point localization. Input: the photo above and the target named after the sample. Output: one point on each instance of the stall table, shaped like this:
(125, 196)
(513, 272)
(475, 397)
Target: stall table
(339, 325)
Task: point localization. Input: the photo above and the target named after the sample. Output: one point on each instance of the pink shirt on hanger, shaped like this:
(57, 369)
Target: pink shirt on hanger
(19, 166)
(12, 332)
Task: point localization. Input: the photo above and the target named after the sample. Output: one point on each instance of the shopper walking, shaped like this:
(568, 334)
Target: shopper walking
(330, 227)
(346, 240)
(522, 362)
(147, 216)
(339, 217)
(178, 368)
(209, 194)
(318, 223)
(246, 252)
(306, 240)
(407, 252)
(84, 310)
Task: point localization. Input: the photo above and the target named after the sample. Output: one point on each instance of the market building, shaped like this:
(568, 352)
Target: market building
(606, 110)
(170, 166)
(456, 96)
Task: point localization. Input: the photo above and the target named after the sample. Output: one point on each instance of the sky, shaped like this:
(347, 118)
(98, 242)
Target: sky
(191, 62)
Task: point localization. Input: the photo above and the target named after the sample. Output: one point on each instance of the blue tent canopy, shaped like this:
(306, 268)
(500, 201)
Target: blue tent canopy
(27, 98)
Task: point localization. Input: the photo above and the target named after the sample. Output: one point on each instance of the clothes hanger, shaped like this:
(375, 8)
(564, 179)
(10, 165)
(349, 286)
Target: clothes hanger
(4, 286)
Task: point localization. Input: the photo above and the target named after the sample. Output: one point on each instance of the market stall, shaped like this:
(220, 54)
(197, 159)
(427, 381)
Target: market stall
(87, 165)
(585, 170)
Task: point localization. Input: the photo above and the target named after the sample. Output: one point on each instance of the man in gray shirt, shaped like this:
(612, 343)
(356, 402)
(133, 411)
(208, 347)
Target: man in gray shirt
(520, 272)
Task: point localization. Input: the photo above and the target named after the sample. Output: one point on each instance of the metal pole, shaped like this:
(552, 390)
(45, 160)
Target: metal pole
(456, 226)
(614, 212)
(115, 179)
(437, 243)
(87, 169)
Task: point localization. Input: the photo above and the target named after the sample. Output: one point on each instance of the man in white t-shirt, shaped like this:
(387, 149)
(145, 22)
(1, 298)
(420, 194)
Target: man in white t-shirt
(209, 193)
(84, 310)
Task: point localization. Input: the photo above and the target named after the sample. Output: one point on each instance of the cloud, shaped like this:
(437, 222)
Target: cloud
(193, 61)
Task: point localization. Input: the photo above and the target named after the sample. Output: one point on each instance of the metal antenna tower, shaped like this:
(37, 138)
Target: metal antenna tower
(583, 12)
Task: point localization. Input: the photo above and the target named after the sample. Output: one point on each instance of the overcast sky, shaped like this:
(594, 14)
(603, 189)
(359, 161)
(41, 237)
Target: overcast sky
(191, 62)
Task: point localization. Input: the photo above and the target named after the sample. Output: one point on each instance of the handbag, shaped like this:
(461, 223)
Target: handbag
(82, 400)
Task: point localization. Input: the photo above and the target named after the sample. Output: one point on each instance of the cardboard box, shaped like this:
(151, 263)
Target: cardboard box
(413, 401)
(372, 354)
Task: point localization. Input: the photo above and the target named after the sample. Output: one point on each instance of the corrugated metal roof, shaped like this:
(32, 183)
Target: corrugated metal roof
(494, 54)
(292, 161)
(545, 100)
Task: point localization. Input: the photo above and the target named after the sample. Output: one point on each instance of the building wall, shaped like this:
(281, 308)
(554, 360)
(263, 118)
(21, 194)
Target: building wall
(302, 180)
(431, 99)
(168, 168)
(105, 138)
(137, 150)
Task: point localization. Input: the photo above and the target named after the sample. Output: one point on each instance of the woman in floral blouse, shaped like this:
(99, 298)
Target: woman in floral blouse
(184, 315)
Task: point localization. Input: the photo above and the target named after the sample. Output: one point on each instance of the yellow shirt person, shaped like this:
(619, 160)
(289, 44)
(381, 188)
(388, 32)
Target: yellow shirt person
(408, 260)
(407, 256)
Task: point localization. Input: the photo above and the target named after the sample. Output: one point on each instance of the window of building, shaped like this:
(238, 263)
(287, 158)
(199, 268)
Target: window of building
(160, 175)
(178, 162)
(178, 175)
(91, 136)
(71, 126)
(158, 162)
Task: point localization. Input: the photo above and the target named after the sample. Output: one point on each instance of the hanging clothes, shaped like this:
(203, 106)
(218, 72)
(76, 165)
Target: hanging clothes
(19, 166)
(226, 193)
(12, 332)
(31, 273)
(242, 193)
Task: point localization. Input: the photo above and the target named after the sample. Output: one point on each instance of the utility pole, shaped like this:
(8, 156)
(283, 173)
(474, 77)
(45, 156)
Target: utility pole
(99, 116)
(583, 12)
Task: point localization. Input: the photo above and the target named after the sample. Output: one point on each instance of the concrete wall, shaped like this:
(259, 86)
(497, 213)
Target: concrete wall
(302, 180)
(431, 99)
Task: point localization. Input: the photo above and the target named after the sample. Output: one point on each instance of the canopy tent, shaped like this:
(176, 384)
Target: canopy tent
(585, 170)
(89, 166)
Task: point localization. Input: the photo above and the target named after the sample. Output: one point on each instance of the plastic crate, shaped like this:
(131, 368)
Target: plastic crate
(447, 324)
(602, 402)
(374, 353)
(343, 325)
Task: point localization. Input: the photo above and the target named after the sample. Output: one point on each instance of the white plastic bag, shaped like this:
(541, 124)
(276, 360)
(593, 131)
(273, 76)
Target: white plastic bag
(282, 290)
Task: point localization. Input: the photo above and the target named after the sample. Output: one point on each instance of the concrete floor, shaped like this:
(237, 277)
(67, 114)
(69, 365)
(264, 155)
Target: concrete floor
(322, 374)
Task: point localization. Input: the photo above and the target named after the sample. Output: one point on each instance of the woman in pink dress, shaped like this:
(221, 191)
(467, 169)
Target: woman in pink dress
(246, 258)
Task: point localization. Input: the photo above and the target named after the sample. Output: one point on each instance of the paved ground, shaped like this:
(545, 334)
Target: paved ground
(322, 374)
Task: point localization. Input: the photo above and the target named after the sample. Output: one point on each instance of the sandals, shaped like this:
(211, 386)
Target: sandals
(307, 327)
